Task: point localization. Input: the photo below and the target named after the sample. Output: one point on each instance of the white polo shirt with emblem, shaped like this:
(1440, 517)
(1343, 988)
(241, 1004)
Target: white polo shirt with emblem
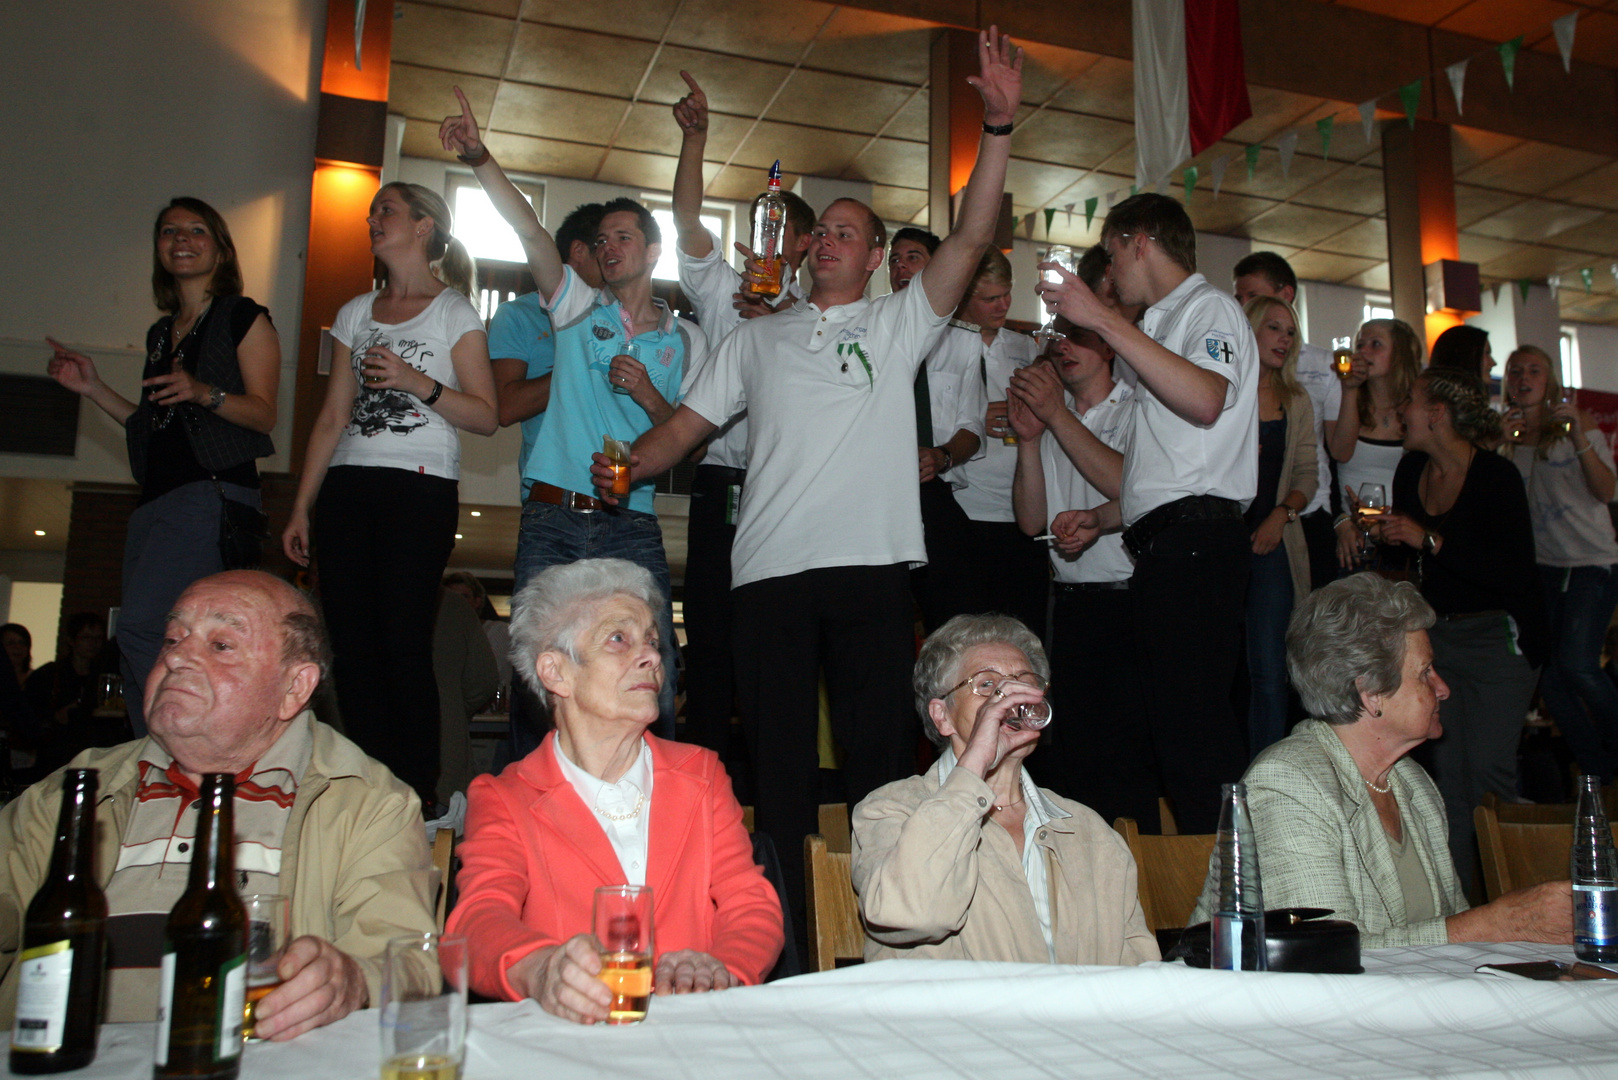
(986, 494)
(955, 391)
(831, 440)
(1112, 420)
(1171, 457)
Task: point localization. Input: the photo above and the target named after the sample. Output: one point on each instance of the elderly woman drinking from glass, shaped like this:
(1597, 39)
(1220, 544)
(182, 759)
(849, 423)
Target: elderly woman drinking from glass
(602, 802)
(1342, 818)
(972, 861)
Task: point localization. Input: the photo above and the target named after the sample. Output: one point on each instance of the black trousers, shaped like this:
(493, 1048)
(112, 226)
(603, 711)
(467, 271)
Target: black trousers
(1008, 572)
(1321, 539)
(855, 624)
(938, 586)
(382, 538)
(1186, 602)
(710, 682)
(1098, 749)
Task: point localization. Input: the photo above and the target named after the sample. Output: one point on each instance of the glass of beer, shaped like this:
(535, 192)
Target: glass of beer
(1342, 356)
(424, 1007)
(622, 922)
(110, 696)
(1068, 260)
(631, 350)
(1570, 397)
(1373, 504)
(268, 926)
(376, 340)
(617, 452)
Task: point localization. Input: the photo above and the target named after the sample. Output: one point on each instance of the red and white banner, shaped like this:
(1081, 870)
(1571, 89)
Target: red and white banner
(1190, 85)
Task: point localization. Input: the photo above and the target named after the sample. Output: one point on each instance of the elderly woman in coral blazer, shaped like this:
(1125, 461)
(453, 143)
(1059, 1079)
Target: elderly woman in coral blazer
(601, 802)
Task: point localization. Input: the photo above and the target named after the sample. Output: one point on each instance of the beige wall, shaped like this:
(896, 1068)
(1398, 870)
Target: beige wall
(117, 107)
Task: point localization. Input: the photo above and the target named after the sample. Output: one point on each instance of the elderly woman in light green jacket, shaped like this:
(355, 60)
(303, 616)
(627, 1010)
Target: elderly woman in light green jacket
(972, 861)
(1342, 818)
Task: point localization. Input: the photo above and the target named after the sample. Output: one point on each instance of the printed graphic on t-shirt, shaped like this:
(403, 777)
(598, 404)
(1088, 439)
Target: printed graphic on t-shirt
(390, 411)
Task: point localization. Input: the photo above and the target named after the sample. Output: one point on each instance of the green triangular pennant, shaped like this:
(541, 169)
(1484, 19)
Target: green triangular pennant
(1522, 287)
(1134, 189)
(1410, 97)
(1325, 127)
(1588, 276)
(1252, 159)
(1508, 59)
(1050, 216)
(1190, 181)
(1090, 211)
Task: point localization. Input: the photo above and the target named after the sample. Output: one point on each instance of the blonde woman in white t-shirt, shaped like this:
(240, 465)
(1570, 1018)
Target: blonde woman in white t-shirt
(378, 495)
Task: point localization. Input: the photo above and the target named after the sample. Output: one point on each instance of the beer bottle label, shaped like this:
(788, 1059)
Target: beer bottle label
(46, 971)
(165, 1008)
(232, 1007)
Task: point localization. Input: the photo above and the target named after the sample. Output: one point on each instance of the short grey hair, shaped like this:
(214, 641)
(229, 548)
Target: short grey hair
(549, 613)
(938, 666)
(1349, 637)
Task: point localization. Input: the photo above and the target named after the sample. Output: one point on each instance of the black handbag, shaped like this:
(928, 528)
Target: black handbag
(243, 530)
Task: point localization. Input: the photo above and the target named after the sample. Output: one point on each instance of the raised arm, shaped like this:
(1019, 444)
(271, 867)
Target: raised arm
(691, 113)
(459, 134)
(999, 82)
(78, 373)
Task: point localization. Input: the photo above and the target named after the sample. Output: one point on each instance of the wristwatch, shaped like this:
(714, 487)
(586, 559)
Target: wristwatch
(1292, 515)
(216, 398)
(1429, 543)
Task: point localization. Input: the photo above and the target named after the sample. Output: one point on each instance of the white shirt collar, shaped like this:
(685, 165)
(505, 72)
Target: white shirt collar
(623, 810)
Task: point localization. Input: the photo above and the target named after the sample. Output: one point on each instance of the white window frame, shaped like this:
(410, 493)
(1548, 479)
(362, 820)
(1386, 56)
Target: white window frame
(1569, 359)
(454, 180)
(1378, 306)
(725, 212)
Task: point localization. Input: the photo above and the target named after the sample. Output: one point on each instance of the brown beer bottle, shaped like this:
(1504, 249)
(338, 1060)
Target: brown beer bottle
(204, 988)
(64, 945)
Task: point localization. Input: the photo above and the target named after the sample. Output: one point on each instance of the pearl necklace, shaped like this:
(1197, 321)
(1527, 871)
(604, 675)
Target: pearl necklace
(640, 802)
(1383, 790)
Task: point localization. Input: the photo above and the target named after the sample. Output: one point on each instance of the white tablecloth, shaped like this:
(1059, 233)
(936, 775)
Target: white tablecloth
(1415, 1012)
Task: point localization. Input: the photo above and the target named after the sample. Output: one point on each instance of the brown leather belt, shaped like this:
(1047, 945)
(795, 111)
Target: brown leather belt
(568, 500)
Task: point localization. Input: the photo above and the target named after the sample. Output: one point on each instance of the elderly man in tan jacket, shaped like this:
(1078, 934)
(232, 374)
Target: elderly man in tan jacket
(971, 860)
(316, 819)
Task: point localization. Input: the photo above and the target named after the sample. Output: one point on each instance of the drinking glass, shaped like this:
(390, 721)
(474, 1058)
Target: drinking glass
(1342, 356)
(1570, 396)
(110, 696)
(617, 452)
(376, 340)
(1033, 715)
(1068, 260)
(424, 1007)
(1373, 504)
(631, 350)
(268, 925)
(622, 922)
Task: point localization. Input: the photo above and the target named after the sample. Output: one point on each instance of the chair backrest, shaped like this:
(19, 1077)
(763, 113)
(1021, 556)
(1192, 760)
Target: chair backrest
(1546, 813)
(835, 932)
(1165, 818)
(834, 826)
(1170, 871)
(444, 862)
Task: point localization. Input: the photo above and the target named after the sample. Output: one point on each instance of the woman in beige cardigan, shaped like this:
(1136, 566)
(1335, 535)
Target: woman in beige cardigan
(972, 861)
(1287, 479)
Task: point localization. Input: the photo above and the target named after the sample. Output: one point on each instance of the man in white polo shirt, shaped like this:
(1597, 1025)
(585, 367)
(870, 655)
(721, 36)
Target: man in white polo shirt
(830, 518)
(1191, 468)
(711, 284)
(1264, 273)
(1098, 751)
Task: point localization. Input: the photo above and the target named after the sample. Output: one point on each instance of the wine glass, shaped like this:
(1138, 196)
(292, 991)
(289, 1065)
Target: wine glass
(1373, 504)
(1068, 260)
(1570, 396)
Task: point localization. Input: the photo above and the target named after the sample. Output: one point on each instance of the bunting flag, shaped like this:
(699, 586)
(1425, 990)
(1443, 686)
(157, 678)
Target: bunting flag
(1252, 159)
(1220, 164)
(1457, 81)
(1410, 97)
(1554, 283)
(1134, 189)
(1090, 210)
(1112, 197)
(1508, 59)
(1588, 276)
(1190, 181)
(1162, 186)
(1614, 269)
(1068, 210)
(1050, 216)
(1368, 119)
(1325, 126)
(1522, 287)
(1028, 224)
(1563, 29)
(1190, 83)
(1494, 292)
(1287, 146)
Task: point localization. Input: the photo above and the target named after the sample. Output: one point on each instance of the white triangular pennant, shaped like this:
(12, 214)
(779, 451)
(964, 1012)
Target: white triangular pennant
(1368, 119)
(1563, 28)
(1614, 269)
(1494, 292)
(1068, 210)
(1112, 197)
(1218, 170)
(1555, 282)
(1287, 145)
(1457, 81)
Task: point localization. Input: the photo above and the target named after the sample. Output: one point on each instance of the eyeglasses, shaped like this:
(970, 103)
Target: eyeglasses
(986, 682)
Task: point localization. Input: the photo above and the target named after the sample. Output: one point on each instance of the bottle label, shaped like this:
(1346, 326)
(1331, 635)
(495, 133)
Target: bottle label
(1595, 916)
(232, 1007)
(46, 971)
(165, 1008)
(733, 503)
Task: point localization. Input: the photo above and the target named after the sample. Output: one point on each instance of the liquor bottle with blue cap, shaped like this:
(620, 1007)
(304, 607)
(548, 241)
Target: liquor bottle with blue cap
(769, 222)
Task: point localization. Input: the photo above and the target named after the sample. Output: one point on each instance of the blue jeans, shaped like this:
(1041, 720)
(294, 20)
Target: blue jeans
(1582, 699)
(1269, 606)
(552, 535)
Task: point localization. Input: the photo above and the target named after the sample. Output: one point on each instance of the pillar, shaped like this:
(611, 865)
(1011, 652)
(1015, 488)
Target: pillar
(1418, 175)
(955, 123)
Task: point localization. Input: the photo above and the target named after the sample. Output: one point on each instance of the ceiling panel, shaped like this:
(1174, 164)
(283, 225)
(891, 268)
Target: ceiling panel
(1351, 189)
(1273, 112)
(1426, 12)
(1596, 188)
(1534, 219)
(446, 38)
(1226, 214)
(1526, 262)
(1323, 266)
(874, 44)
(551, 56)
(850, 104)
(896, 203)
(1300, 226)
(1050, 69)
(1069, 138)
(816, 151)
(1531, 168)
(1470, 147)
(912, 121)
(1482, 249)
(891, 162)
(732, 84)
(425, 94)
(1033, 185)
(649, 172)
(1374, 278)
(1475, 203)
(1501, 20)
(1367, 238)
(775, 31)
(644, 19)
(651, 127)
(1599, 237)
(1588, 308)
(556, 114)
(1107, 89)
(1596, 41)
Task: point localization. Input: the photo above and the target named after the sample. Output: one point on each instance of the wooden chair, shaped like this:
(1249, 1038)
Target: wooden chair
(833, 825)
(1544, 813)
(835, 934)
(1170, 871)
(444, 862)
(1165, 818)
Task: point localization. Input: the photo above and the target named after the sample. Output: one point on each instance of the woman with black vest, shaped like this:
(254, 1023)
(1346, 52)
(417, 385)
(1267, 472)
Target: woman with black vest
(213, 365)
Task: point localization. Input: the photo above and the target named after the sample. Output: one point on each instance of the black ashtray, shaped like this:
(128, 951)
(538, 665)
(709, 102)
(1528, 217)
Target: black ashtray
(1298, 940)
